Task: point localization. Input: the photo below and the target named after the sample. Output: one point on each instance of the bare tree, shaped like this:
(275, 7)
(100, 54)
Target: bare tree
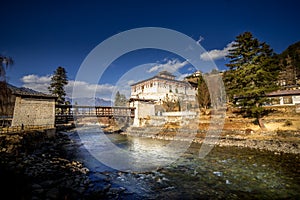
(5, 62)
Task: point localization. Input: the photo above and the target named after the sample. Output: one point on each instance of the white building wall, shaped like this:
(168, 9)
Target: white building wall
(157, 89)
(296, 99)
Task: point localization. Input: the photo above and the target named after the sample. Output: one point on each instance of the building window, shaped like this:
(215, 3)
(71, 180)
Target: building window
(287, 100)
(275, 101)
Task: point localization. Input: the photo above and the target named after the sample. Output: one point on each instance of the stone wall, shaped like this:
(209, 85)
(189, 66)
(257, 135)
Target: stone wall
(34, 111)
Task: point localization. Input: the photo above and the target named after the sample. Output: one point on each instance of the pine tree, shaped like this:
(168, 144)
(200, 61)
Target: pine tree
(202, 95)
(120, 99)
(58, 81)
(252, 74)
(289, 60)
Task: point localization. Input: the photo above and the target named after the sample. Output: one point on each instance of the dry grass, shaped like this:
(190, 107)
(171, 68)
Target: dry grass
(279, 125)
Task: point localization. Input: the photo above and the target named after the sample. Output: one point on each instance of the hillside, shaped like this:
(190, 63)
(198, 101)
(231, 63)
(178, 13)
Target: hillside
(289, 60)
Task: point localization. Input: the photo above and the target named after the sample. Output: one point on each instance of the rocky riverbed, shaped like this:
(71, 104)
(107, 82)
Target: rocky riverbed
(225, 173)
(35, 165)
(43, 165)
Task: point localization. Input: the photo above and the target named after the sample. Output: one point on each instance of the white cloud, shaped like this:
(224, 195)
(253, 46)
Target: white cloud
(34, 78)
(182, 76)
(41, 84)
(217, 54)
(124, 86)
(89, 90)
(170, 65)
(37, 83)
(130, 82)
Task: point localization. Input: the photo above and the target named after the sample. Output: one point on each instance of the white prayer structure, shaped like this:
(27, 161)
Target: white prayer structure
(161, 87)
(148, 95)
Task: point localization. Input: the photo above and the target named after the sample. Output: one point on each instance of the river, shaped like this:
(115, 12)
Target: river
(225, 173)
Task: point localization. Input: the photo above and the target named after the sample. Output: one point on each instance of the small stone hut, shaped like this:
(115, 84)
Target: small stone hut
(26, 107)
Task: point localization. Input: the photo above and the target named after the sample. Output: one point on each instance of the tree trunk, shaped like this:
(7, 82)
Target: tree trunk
(261, 124)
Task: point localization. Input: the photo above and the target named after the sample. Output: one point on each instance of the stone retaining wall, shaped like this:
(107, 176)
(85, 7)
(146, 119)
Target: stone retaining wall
(29, 111)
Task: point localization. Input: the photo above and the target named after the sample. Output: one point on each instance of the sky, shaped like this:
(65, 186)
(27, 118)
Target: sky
(42, 35)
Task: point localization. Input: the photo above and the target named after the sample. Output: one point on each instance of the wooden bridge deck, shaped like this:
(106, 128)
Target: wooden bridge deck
(66, 113)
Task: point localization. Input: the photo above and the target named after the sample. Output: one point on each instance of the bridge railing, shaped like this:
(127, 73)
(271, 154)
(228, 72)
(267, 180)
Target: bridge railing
(99, 111)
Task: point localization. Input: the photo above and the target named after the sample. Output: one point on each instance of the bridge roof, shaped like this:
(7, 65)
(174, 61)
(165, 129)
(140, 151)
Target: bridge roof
(83, 106)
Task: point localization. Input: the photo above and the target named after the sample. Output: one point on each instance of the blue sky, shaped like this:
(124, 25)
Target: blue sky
(42, 35)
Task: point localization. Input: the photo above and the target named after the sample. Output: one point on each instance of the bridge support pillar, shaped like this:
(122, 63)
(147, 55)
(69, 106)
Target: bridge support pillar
(143, 109)
(136, 121)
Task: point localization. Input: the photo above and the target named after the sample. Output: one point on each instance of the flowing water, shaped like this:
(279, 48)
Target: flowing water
(225, 173)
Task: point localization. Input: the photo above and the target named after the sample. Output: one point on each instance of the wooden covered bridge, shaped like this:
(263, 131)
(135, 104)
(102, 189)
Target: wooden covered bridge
(67, 113)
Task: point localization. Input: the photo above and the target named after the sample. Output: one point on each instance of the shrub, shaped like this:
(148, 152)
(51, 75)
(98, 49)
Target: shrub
(288, 123)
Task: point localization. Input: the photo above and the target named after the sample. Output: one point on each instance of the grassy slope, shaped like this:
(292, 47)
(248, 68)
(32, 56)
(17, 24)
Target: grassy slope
(280, 125)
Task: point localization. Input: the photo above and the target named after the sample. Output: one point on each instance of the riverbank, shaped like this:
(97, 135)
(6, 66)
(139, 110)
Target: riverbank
(282, 133)
(35, 165)
(269, 141)
(277, 142)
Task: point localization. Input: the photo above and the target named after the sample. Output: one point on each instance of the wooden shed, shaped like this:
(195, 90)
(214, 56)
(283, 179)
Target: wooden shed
(26, 107)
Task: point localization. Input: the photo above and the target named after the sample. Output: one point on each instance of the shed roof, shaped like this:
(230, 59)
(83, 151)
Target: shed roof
(284, 93)
(27, 92)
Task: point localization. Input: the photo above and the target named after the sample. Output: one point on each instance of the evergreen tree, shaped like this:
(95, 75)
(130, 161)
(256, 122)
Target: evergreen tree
(289, 61)
(58, 81)
(252, 74)
(202, 95)
(120, 99)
